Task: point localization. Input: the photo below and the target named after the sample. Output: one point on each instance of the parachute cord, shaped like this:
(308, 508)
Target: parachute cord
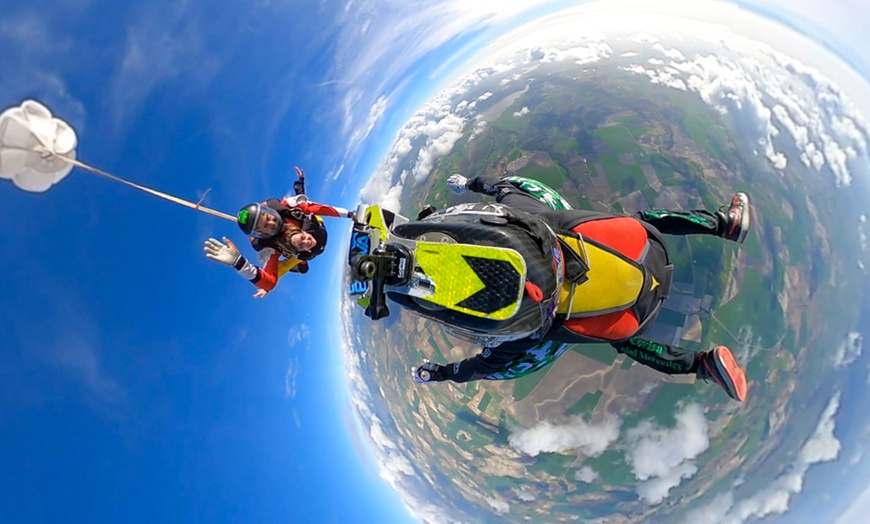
(148, 190)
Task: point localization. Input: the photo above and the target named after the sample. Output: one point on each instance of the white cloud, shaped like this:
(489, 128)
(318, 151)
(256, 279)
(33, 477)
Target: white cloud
(441, 122)
(295, 336)
(582, 54)
(522, 112)
(782, 98)
(661, 458)
(575, 434)
(441, 136)
(712, 512)
(780, 95)
(858, 510)
(394, 464)
(415, 30)
(822, 446)
(435, 129)
(290, 378)
(586, 474)
(762, 90)
(396, 467)
(862, 232)
(361, 132)
(673, 54)
(479, 127)
(524, 495)
(501, 507)
(849, 350)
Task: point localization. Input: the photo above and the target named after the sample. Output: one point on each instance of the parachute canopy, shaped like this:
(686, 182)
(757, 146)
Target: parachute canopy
(35, 148)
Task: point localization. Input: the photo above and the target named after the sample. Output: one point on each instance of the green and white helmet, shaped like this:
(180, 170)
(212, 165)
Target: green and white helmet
(541, 192)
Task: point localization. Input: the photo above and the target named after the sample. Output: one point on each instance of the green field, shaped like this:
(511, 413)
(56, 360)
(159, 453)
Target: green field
(603, 353)
(619, 139)
(524, 385)
(593, 143)
(586, 404)
(623, 178)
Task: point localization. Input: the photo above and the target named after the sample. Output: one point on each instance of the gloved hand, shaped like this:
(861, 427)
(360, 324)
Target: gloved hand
(457, 183)
(428, 372)
(226, 254)
(299, 185)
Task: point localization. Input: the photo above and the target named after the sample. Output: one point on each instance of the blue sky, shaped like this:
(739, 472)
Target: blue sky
(141, 381)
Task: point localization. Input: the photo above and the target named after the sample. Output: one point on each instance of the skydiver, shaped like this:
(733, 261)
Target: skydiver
(620, 328)
(286, 234)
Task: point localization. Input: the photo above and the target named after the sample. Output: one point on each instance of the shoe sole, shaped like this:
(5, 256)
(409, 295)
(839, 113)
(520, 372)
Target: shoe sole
(744, 217)
(734, 377)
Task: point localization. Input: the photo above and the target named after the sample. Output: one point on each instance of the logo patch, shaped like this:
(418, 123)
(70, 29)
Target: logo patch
(359, 242)
(358, 288)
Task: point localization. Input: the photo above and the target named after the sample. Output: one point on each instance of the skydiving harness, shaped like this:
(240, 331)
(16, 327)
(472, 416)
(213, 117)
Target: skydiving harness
(617, 276)
(308, 222)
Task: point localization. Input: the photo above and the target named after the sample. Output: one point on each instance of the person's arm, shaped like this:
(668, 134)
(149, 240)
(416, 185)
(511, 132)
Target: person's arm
(299, 184)
(476, 367)
(228, 254)
(485, 363)
(324, 210)
(284, 266)
(488, 185)
(267, 276)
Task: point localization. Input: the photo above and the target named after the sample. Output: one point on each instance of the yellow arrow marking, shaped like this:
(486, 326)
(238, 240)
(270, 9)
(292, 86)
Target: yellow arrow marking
(455, 280)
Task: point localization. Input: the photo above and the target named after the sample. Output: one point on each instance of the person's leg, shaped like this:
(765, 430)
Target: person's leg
(731, 223)
(717, 364)
(666, 358)
(695, 222)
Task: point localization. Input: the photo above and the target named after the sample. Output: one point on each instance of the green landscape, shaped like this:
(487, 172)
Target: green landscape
(648, 147)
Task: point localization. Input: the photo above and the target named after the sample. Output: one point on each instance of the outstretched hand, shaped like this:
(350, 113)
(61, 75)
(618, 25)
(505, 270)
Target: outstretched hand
(261, 293)
(457, 183)
(300, 173)
(428, 372)
(227, 254)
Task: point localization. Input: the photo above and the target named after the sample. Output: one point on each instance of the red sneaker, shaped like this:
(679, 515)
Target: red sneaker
(737, 218)
(719, 366)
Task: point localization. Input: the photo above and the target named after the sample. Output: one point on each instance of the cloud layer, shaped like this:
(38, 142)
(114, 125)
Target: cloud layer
(791, 113)
(822, 446)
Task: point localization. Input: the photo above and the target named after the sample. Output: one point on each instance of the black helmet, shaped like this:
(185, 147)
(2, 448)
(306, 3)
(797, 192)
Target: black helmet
(249, 217)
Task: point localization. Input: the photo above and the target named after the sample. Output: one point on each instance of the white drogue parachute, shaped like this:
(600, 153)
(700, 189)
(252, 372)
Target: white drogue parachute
(35, 148)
